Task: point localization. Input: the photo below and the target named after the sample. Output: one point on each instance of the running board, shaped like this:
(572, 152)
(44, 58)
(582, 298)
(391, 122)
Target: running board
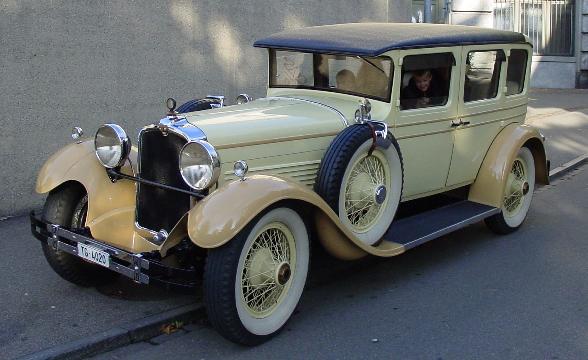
(418, 229)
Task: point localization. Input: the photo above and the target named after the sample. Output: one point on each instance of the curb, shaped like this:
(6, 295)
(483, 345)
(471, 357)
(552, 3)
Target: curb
(567, 167)
(125, 334)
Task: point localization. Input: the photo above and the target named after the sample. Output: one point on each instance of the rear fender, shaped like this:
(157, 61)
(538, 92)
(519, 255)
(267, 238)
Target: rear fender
(488, 188)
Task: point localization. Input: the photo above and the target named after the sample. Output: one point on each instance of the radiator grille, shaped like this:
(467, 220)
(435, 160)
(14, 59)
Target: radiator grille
(159, 161)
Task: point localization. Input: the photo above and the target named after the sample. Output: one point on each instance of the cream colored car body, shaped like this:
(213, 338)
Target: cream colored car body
(283, 138)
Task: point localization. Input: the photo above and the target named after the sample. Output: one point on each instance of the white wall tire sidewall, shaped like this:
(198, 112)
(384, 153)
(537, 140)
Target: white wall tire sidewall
(378, 230)
(516, 220)
(274, 321)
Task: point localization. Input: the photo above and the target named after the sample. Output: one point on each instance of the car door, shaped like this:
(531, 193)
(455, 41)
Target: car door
(481, 110)
(422, 119)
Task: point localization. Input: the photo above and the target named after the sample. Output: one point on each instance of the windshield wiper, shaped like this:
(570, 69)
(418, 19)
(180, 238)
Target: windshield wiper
(372, 64)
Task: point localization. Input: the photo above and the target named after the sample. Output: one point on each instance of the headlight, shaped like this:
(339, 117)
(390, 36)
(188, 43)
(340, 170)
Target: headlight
(199, 165)
(243, 99)
(112, 145)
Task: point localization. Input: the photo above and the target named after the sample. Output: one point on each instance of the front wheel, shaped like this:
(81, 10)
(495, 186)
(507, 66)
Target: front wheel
(253, 284)
(68, 206)
(518, 193)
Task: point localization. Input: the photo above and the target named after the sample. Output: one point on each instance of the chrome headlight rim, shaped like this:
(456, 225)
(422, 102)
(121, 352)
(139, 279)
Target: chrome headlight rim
(122, 140)
(213, 162)
(243, 99)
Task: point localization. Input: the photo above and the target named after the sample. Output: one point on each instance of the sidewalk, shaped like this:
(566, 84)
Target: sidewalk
(562, 116)
(40, 310)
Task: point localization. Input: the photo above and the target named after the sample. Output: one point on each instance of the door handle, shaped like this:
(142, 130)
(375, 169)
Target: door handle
(464, 122)
(456, 122)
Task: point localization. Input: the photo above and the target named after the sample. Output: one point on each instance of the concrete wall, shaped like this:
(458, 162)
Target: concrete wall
(84, 63)
(553, 72)
(583, 76)
(472, 13)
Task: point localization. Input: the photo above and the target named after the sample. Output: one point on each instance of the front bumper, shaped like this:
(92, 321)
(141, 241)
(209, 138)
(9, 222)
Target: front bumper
(142, 268)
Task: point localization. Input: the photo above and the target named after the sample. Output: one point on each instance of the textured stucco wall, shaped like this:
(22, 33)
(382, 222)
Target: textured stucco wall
(472, 13)
(583, 76)
(66, 63)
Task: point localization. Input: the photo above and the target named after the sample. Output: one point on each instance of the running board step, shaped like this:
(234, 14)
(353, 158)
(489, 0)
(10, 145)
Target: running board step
(418, 229)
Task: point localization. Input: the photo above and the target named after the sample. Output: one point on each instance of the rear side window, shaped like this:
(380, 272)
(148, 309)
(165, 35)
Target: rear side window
(425, 80)
(482, 75)
(515, 75)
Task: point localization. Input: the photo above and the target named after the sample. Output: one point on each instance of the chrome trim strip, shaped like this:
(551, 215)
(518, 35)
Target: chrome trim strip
(343, 119)
(449, 129)
(451, 228)
(280, 166)
(276, 140)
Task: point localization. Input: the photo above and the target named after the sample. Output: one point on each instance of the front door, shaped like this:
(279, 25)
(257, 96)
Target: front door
(428, 85)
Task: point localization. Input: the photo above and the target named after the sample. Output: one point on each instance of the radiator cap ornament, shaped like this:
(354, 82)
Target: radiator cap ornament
(171, 103)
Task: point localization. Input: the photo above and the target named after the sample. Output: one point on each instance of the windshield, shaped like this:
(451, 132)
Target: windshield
(363, 76)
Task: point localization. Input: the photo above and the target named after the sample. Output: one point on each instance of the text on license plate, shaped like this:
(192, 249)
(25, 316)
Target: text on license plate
(93, 254)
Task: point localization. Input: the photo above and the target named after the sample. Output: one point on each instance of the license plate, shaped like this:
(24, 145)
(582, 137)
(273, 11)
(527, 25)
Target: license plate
(93, 254)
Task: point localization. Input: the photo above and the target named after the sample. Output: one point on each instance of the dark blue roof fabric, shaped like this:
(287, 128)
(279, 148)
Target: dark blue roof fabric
(372, 39)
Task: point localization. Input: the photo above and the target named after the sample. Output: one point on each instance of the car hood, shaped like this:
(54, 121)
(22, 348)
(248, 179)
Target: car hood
(266, 120)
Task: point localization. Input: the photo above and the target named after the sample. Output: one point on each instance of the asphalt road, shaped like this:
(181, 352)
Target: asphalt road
(468, 295)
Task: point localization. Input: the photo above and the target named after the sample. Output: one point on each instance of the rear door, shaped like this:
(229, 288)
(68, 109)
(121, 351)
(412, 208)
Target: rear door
(481, 110)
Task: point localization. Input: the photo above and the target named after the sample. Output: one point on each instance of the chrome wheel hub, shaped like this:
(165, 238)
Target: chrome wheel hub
(282, 274)
(380, 194)
(525, 189)
(517, 188)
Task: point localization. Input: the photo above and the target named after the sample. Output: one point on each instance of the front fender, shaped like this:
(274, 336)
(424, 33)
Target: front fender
(488, 188)
(111, 206)
(215, 220)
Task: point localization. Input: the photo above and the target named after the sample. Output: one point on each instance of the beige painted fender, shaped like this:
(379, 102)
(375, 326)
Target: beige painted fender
(220, 216)
(111, 206)
(488, 188)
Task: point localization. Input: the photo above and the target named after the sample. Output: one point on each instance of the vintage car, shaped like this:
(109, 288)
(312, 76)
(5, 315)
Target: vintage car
(373, 139)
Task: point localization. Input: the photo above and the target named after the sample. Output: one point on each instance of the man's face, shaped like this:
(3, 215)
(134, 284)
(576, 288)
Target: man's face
(423, 82)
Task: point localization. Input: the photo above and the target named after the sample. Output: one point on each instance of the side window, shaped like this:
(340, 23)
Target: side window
(482, 74)
(425, 80)
(515, 74)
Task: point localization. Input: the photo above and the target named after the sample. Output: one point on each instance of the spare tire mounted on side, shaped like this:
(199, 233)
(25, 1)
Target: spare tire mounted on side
(362, 183)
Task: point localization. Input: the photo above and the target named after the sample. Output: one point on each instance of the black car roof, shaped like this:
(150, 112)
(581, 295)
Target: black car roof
(372, 39)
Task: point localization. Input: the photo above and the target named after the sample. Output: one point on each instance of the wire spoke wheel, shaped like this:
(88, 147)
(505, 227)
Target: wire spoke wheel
(517, 194)
(269, 263)
(517, 188)
(363, 191)
(253, 283)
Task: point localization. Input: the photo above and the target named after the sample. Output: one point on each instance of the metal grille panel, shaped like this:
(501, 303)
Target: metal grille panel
(159, 161)
(548, 23)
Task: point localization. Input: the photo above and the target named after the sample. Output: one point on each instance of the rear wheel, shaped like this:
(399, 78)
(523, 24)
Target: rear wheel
(68, 206)
(253, 284)
(518, 193)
